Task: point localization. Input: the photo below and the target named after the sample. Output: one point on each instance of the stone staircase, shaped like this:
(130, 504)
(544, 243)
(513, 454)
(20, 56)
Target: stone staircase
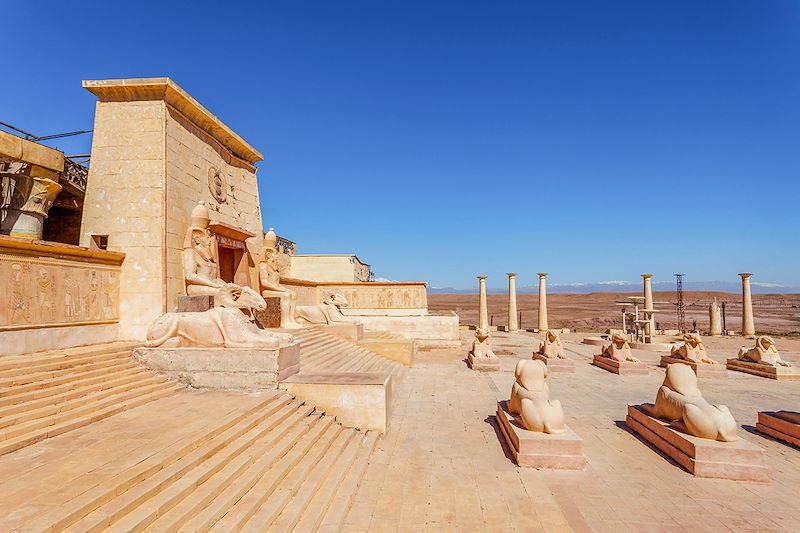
(279, 466)
(46, 394)
(322, 352)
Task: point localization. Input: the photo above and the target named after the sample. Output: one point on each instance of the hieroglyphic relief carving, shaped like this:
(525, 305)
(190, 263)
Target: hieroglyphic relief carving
(45, 291)
(381, 297)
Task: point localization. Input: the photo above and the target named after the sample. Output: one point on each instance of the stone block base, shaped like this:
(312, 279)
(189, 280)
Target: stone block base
(652, 346)
(702, 370)
(623, 368)
(563, 451)
(271, 316)
(780, 373)
(739, 460)
(401, 351)
(353, 332)
(357, 400)
(778, 428)
(483, 364)
(556, 365)
(194, 304)
(595, 341)
(224, 368)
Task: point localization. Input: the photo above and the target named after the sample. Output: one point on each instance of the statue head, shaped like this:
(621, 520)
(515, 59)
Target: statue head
(766, 343)
(618, 340)
(231, 295)
(336, 299)
(692, 339)
(681, 378)
(551, 336)
(530, 374)
(200, 217)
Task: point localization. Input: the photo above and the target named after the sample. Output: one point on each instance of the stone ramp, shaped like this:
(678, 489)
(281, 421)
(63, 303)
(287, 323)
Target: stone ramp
(194, 461)
(46, 394)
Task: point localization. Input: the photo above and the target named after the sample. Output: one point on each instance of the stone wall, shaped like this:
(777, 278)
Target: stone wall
(328, 268)
(365, 297)
(51, 289)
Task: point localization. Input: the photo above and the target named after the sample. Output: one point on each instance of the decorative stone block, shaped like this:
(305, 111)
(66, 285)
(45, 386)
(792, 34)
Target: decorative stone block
(653, 346)
(780, 373)
(778, 428)
(702, 370)
(739, 460)
(354, 332)
(563, 451)
(398, 350)
(483, 364)
(358, 400)
(194, 304)
(271, 316)
(556, 364)
(623, 368)
(224, 368)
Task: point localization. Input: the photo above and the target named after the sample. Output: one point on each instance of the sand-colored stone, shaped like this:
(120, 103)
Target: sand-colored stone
(396, 349)
(357, 400)
(513, 323)
(530, 399)
(781, 425)
(714, 319)
(764, 360)
(228, 369)
(702, 370)
(542, 320)
(748, 326)
(692, 350)
(551, 353)
(328, 312)
(270, 281)
(328, 268)
(353, 332)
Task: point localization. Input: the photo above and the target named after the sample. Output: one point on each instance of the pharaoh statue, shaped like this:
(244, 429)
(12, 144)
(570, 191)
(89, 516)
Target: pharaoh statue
(764, 352)
(679, 401)
(619, 349)
(270, 281)
(692, 349)
(530, 399)
(551, 347)
(482, 345)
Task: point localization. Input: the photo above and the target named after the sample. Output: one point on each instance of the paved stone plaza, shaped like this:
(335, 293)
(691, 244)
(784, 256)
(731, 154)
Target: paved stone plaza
(442, 466)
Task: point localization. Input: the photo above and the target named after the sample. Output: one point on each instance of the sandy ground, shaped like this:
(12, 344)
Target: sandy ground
(774, 314)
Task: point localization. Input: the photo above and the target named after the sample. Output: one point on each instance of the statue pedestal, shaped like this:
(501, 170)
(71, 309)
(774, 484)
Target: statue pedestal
(534, 449)
(739, 460)
(483, 364)
(555, 364)
(778, 428)
(194, 304)
(780, 373)
(702, 370)
(224, 368)
(622, 368)
(271, 316)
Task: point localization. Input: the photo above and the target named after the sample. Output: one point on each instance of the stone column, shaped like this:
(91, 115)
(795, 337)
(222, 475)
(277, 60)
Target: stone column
(714, 319)
(650, 327)
(513, 324)
(483, 309)
(25, 203)
(748, 327)
(542, 301)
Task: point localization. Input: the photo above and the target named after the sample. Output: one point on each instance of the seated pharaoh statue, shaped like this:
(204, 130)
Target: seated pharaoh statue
(200, 259)
(551, 347)
(482, 346)
(530, 399)
(765, 352)
(679, 401)
(692, 349)
(619, 349)
(270, 281)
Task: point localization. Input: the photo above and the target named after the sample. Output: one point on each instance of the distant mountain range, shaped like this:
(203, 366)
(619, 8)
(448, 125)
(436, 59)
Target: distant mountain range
(630, 286)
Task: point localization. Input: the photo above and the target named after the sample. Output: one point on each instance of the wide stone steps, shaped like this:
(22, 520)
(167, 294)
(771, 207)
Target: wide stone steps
(47, 394)
(321, 352)
(280, 466)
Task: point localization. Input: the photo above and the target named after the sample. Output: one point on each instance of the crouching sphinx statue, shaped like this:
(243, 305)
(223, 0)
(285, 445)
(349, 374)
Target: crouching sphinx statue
(328, 312)
(764, 352)
(530, 399)
(551, 347)
(619, 349)
(225, 326)
(692, 350)
(482, 346)
(679, 401)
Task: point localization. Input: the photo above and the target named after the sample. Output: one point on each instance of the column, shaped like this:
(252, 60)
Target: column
(650, 327)
(542, 301)
(748, 328)
(25, 203)
(513, 324)
(483, 309)
(714, 321)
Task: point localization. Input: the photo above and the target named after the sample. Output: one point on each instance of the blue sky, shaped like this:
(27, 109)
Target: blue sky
(441, 140)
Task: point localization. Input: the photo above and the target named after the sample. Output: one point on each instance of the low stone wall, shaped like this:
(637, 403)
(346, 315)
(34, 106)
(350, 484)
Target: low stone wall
(56, 295)
(365, 297)
(431, 331)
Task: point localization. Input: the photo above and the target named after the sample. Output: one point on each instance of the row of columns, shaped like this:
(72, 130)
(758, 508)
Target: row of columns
(513, 322)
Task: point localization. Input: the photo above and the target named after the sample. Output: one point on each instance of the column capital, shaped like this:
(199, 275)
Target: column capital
(481, 277)
(745, 275)
(511, 274)
(647, 276)
(542, 274)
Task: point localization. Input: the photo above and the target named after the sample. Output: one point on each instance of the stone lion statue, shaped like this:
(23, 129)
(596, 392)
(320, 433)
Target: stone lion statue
(679, 401)
(619, 349)
(328, 312)
(764, 352)
(551, 347)
(225, 326)
(692, 350)
(482, 346)
(530, 399)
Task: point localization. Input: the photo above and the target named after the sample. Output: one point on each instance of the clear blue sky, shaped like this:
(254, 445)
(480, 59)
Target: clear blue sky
(441, 140)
